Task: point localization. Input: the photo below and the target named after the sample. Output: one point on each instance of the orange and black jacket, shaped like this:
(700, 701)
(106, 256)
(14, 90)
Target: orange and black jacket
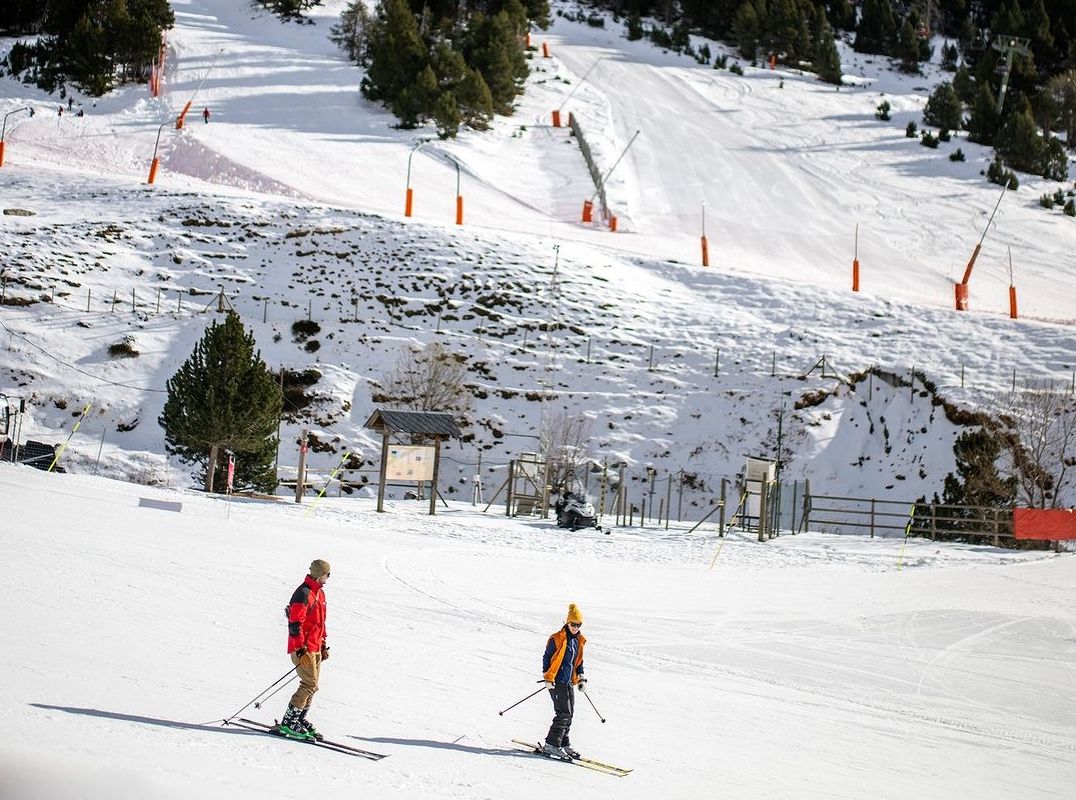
(563, 659)
(306, 617)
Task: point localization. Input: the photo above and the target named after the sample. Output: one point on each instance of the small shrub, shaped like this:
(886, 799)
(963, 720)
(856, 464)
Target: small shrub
(124, 349)
(996, 173)
(957, 155)
(882, 112)
(929, 140)
(596, 21)
(720, 62)
(303, 329)
(736, 69)
(945, 135)
(312, 346)
(1059, 197)
(1070, 208)
(1046, 201)
(910, 131)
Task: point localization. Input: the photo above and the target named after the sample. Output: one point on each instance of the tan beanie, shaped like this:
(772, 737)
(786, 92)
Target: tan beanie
(574, 614)
(318, 568)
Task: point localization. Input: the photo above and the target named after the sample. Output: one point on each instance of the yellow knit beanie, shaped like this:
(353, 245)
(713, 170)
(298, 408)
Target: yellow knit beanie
(318, 568)
(574, 614)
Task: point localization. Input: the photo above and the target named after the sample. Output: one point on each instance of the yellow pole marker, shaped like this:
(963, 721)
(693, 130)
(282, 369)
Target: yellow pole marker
(907, 531)
(324, 488)
(63, 447)
(728, 527)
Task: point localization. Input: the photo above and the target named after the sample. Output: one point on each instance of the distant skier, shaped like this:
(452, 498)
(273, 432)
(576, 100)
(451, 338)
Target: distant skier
(205, 115)
(308, 648)
(562, 667)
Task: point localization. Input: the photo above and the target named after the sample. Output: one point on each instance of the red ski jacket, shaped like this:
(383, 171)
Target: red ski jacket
(306, 617)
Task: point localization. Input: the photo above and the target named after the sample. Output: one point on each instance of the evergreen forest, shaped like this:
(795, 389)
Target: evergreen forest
(94, 45)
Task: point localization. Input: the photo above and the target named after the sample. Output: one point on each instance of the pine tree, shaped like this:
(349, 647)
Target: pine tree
(984, 120)
(1018, 140)
(877, 31)
(475, 100)
(415, 102)
(964, 86)
(841, 15)
(977, 481)
(908, 48)
(397, 52)
(224, 396)
(350, 32)
(446, 114)
(827, 61)
(1062, 89)
(747, 30)
(494, 51)
(943, 109)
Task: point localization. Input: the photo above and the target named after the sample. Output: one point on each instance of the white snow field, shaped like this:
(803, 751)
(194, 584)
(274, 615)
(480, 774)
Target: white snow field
(808, 667)
(786, 173)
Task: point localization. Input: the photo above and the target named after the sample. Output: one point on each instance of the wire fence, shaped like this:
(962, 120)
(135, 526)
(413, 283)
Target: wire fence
(553, 342)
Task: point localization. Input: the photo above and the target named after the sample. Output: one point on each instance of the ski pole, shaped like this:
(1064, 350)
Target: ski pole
(596, 711)
(528, 697)
(281, 686)
(258, 696)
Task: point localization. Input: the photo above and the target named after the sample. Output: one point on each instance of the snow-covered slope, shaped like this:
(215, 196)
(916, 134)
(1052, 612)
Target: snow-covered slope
(638, 330)
(808, 667)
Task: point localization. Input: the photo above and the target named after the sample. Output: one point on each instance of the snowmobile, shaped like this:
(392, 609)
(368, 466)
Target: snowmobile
(575, 511)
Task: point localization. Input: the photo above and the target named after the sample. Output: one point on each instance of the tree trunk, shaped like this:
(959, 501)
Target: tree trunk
(211, 468)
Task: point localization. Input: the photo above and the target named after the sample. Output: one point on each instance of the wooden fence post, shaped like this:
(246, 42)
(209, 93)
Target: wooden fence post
(300, 479)
(795, 494)
(668, 501)
(872, 517)
(763, 508)
(511, 487)
(721, 512)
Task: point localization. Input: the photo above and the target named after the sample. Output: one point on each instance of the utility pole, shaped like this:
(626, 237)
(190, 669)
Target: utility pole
(300, 479)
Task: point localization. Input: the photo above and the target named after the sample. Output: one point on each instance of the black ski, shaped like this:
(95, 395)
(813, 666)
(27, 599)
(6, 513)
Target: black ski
(340, 747)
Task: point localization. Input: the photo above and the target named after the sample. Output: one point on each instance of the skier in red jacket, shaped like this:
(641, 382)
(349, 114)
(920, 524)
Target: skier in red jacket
(307, 648)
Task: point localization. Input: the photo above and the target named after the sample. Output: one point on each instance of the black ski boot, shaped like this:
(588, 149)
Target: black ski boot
(307, 727)
(292, 724)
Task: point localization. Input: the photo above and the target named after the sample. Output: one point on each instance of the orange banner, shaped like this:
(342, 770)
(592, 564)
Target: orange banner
(1049, 524)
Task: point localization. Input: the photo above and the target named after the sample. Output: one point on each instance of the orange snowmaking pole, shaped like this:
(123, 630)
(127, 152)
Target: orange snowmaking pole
(962, 287)
(855, 263)
(410, 194)
(705, 247)
(183, 114)
(156, 161)
(3, 129)
(459, 197)
(1012, 289)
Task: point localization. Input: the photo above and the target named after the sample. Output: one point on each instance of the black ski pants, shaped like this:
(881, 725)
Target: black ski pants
(563, 695)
